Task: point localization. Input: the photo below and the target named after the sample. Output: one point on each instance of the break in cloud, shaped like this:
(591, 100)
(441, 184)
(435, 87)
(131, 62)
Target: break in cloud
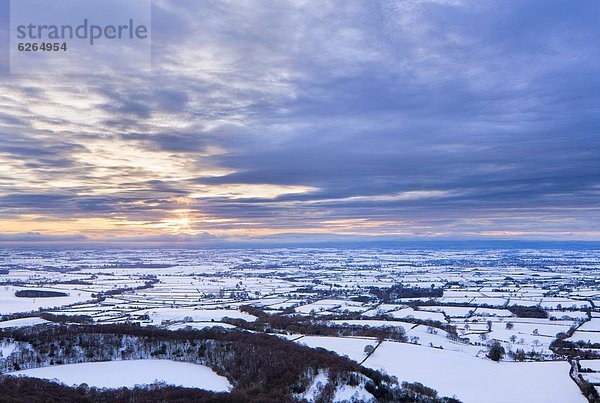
(318, 120)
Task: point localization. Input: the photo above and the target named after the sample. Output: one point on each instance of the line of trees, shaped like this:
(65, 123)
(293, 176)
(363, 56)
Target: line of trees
(395, 292)
(261, 367)
(278, 323)
(528, 311)
(39, 294)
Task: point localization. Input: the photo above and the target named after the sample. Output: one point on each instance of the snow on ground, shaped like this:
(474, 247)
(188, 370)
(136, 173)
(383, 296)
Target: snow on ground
(493, 312)
(557, 303)
(372, 323)
(6, 348)
(407, 313)
(331, 305)
(343, 393)
(592, 377)
(591, 326)
(474, 379)
(525, 302)
(586, 337)
(200, 325)
(497, 301)
(314, 390)
(417, 334)
(358, 393)
(22, 322)
(116, 374)
(354, 348)
(159, 315)
(567, 315)
(383, 308)
(591, 364)
(9, 303)
(461, 311)
(452, 311)
(347, 393)
(432, 337)
(538, 333)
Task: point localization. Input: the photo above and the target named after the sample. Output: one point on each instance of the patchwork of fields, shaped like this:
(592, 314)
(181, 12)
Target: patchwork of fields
(428, 316)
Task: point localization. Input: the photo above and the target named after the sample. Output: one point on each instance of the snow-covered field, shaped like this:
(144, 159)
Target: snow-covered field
(586, 337)
(448, 334)
(474, 380)
(469, 378)
(22, 322)
(9, 303)
(115, 374)
(353, 348)
(157, 316)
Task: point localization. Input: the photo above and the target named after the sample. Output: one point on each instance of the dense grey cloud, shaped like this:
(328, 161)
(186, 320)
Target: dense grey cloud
(439, 118)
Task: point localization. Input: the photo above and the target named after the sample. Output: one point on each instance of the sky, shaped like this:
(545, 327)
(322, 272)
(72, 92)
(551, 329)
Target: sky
(301, 121)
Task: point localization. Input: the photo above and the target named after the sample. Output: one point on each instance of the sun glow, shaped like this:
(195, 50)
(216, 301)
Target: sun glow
(180, 224)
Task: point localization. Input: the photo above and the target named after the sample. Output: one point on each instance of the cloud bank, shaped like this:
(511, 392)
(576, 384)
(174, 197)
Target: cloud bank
(399, 120)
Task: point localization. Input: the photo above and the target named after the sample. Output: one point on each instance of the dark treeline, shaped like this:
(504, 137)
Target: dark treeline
(31, 390)
(307, 325)
(39, 294)
(395, 292)
(579, 349)
(261, 367)
(528, 311)
(57, 318)
(587, 388)
(575, 351)
(291, 323)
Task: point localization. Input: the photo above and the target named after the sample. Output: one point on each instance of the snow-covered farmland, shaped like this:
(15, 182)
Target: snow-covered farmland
(473, 380)
(448, 307)
(160, 315)
(110, 374)
(350, 347)
(22, 322)
(10, 303)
